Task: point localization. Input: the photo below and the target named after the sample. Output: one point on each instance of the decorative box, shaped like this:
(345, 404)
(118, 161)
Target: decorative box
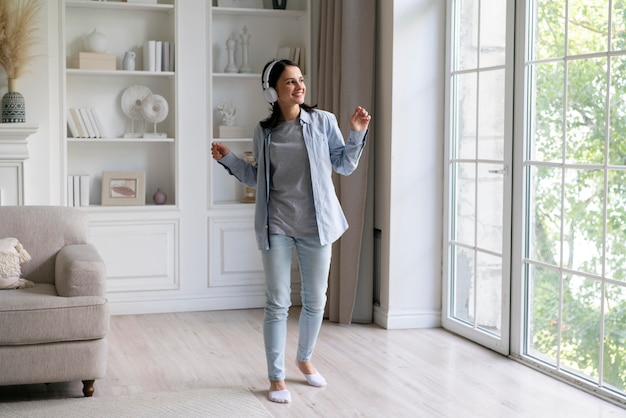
(94, 61)
(224, 131)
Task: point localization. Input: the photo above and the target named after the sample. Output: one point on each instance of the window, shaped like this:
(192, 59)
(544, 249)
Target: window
(574, 190)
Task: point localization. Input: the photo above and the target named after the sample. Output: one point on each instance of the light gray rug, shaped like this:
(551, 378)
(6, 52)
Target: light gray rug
(213, 402)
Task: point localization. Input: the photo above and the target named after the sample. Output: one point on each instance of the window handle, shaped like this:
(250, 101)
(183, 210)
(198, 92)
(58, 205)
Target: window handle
(503, 170)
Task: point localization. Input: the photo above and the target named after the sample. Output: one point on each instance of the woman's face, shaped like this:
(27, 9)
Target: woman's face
(290, 87)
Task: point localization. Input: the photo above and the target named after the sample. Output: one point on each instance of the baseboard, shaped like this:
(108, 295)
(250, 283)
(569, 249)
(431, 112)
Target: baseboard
(142, 304)
(407, 319)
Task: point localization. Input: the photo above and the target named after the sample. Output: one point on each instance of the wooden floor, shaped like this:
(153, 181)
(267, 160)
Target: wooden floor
(371, 372)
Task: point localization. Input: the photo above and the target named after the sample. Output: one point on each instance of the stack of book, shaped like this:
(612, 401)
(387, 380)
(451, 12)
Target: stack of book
(158, 56)
(78, 190)
(84, 122)
(293, 53)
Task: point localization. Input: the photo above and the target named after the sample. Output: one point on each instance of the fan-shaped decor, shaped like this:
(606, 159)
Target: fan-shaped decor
(132, 106)
(155, 110)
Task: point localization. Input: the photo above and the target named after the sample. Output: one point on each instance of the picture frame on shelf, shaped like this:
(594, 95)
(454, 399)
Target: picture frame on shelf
(123, 188)
(246, 4)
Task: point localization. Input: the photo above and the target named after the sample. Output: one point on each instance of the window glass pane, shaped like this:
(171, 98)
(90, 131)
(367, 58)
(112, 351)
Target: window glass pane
(587, 26)
(547, 83)
(543, 313)
(544, 223)
(466, 31)
(492, 36)
(548, 29)
(488, 292)
(616, 226)
(583, 220)
(491, 112)
(489, 208)
(465, 112)
(618, 25)
(614, 331)
(580, 327)
(586, 111)
(463, 283)
(465, 199)
(617, 120)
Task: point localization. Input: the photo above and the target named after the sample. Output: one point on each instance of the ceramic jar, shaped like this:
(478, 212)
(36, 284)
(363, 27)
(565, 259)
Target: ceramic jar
(96, 42)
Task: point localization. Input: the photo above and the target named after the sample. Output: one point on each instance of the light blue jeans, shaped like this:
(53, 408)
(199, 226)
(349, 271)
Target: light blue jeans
(314, 263)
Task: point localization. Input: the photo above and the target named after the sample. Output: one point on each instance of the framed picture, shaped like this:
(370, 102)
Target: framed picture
(249, 4)
(123, 188)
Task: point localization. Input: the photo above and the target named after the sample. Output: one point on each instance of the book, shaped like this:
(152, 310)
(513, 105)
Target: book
(70, 191)
(76, 200)
(149, 56)
(158, 55)
(165, 61)
(91, 133)
(84, 190)
(71, 125)
(283, 53)
(296, 55)
(172, 57)
(78, 122)
(97, 122)
(92, 121)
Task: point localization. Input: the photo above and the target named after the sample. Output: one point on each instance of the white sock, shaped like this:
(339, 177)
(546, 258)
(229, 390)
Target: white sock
(315, 379)
(280, 396)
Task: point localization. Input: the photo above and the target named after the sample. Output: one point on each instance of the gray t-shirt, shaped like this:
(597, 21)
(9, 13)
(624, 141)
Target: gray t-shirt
(291, 209)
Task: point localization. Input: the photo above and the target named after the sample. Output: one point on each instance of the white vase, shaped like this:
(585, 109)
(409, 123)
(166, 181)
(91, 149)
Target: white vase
(96, 42)
(129, 61)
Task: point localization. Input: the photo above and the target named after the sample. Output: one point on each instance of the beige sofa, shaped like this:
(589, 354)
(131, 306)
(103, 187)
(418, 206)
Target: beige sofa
(55, 331)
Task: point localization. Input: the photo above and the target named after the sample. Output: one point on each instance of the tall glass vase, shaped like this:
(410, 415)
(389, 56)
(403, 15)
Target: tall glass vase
(13, 106)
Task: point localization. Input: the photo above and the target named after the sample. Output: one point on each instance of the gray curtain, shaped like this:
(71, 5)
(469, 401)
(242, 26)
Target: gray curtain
(344, 43)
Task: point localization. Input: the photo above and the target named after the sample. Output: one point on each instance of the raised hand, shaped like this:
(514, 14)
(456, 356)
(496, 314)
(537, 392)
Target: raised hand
(219, 150)
(360, 119)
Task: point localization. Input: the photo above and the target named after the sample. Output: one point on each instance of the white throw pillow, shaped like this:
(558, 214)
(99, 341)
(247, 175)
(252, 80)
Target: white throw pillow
(12, 254)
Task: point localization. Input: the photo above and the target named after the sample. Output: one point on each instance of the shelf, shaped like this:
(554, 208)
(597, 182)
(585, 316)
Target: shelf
(120, 73)
(237, 75)
(225, 140)
(119, 140)
(259, 12)
(119, 6)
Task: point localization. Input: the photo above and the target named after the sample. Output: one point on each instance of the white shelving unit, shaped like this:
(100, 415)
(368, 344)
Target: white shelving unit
(269, 29)
(127, 26)
(140, 244)
(235, 259)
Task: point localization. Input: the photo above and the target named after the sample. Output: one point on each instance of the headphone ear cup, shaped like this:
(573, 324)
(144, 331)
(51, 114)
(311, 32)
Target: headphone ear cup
(270, 95)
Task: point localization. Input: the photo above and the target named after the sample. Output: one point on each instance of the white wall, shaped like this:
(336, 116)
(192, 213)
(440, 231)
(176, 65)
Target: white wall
(409, 157)
(37, 85)
(409, 152)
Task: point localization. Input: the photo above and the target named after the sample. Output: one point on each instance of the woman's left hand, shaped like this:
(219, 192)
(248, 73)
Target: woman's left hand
(360, 119)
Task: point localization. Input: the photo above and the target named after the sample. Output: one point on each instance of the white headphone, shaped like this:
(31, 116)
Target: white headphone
(269, 93)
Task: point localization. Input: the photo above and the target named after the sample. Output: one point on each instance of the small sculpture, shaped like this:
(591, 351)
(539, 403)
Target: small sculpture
(227, 113)
(245, 44)
(155, 110)
(231, 44)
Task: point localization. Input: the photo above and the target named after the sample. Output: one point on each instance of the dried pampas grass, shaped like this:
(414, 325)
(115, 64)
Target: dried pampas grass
(17, 34)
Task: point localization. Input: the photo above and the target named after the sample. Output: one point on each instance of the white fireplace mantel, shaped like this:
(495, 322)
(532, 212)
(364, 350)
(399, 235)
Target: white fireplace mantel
(13, 143)
(13, 152)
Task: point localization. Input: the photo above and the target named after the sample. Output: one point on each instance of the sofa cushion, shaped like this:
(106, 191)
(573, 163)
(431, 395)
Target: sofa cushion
(37, 316)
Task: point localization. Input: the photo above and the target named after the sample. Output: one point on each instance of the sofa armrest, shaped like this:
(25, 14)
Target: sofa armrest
(80, 271)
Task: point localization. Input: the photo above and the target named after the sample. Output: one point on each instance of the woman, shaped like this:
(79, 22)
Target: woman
(295, 151)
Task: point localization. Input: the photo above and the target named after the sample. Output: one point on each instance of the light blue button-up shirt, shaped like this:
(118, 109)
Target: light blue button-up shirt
(327, 152)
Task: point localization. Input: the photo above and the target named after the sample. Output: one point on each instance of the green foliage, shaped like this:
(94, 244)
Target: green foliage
(570, 111)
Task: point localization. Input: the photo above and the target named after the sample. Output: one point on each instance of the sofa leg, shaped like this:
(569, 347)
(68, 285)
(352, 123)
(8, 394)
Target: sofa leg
(88, 388)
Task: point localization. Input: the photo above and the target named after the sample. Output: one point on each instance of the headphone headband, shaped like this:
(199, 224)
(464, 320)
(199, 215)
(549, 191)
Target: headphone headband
(266, 74)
